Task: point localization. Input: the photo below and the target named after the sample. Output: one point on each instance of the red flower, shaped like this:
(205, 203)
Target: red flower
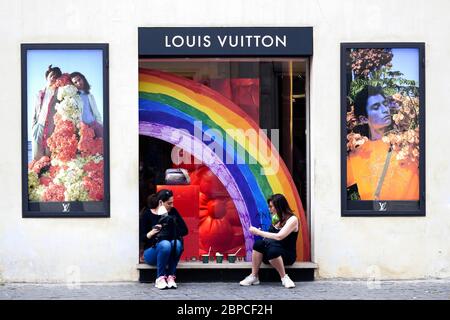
(31, 164)
(53, 171)
(45, 180)
(89, 145)
(95, 187)
(63, 142)
(37, 166)
(63, 80)
(54, 192)
(94, 180)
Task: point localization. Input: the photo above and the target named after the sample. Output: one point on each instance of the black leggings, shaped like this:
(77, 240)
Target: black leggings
(273, 249)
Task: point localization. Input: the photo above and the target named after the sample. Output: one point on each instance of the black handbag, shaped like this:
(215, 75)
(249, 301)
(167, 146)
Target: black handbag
(270, 242)
(168, 228)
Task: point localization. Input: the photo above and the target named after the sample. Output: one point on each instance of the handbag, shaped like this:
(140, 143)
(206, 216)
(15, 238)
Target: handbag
(168, 228)
(270, 242)
(177, 176)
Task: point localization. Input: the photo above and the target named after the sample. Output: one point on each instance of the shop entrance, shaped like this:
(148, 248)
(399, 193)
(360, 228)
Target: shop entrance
(224, 134)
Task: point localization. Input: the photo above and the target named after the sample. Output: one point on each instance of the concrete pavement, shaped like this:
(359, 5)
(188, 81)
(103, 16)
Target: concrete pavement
(315, 290)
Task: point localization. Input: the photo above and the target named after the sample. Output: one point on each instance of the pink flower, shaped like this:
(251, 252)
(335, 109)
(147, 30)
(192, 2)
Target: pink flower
(63, 141)
(37, 166)
(94, 180)
(54, 192)
(63, 80)
(89, 145)
(45, 180)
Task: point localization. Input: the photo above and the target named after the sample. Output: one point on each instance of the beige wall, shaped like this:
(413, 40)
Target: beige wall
(394, 248)
(59, 250)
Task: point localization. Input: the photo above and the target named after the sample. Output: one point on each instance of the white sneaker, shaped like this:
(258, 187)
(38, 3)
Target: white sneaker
(161, 283)
(287, 282)
(171, 282)
(249, 280)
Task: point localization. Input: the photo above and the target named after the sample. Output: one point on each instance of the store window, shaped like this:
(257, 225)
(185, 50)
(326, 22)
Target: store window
(200, 136)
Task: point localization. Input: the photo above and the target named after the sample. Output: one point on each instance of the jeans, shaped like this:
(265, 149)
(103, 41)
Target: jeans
(161, 256)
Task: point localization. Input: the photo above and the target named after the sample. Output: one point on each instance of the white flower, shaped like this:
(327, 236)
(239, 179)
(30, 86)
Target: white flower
(76, 192)
(70, 104)
(56, 162)
(37, 193)
(70, 109)
(33, 180)
(72, 179)
(66, 92)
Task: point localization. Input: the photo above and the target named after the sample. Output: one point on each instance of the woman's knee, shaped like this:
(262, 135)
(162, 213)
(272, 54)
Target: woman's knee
(149, 256)
(179, 246)
(164, 246)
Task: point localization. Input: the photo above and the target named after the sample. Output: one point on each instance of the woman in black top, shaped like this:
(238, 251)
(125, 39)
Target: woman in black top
(162, 230)
(278, 246)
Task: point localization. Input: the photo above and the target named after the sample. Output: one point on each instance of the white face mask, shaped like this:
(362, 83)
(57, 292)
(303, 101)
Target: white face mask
(161, 209)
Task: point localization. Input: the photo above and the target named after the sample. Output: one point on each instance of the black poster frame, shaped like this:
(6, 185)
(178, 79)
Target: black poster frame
(69, 209)
(380, 208)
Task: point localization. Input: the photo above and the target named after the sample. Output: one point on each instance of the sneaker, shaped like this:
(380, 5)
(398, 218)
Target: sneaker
(171, 282)
(287, 282)
(249, 280)
(161, 283)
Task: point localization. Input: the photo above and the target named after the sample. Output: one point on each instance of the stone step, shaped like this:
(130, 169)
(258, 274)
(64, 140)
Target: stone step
(228, 272)
(227, 265)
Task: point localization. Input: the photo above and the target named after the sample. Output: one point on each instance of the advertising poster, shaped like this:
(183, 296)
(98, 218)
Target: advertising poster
(383, 129)
(65, 130)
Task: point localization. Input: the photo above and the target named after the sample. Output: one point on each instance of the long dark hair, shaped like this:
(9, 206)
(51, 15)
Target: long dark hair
(282, 207)
(164, 195)
(87, 86)
(152, 201)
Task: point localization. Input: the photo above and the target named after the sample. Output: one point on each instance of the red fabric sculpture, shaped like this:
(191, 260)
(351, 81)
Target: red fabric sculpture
(219, 227)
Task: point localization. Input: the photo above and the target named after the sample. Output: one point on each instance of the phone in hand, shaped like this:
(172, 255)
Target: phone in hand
(158, 228)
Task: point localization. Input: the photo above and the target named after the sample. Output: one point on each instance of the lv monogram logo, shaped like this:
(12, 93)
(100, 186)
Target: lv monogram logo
(66, 207)
(382, 206)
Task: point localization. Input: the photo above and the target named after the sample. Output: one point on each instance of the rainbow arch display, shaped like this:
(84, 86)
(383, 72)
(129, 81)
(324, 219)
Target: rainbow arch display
(194, 117)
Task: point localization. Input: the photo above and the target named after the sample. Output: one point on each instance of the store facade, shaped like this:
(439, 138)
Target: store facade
(167, 98)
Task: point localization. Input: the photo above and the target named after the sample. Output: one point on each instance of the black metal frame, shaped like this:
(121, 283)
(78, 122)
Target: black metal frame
(88, 209)
(345, 211)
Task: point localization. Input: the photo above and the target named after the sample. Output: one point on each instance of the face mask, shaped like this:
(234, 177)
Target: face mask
(161, 209)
